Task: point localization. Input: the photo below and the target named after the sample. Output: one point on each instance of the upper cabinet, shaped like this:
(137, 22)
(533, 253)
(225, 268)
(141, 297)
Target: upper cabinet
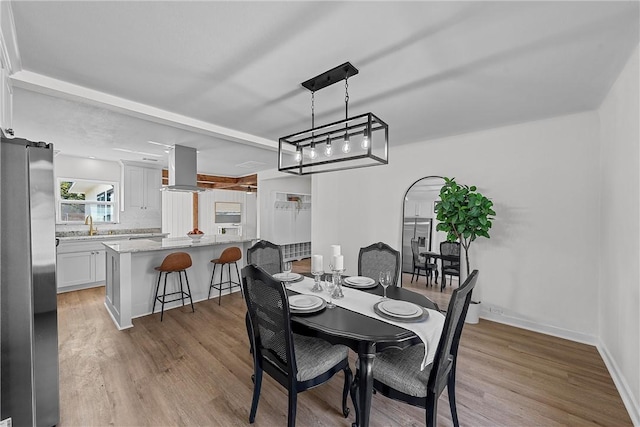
(142, 187)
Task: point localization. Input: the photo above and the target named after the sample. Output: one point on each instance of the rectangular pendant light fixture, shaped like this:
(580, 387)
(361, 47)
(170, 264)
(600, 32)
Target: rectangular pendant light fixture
(355, 142)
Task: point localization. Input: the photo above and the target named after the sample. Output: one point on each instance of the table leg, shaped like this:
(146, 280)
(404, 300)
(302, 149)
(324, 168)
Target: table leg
(365, 386)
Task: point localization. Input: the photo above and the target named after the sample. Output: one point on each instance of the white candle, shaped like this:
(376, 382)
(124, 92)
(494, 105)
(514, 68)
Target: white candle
(317, 264)
(335, 250)
(338, 262)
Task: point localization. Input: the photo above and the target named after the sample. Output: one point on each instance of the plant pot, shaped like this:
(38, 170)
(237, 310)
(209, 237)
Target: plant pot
(473, 313)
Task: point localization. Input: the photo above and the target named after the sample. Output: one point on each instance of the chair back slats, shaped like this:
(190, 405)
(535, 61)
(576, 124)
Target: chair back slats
(416, 253)
(269, 317)
(376, 258)
(265, 255)
(447, 350)
(450, 248)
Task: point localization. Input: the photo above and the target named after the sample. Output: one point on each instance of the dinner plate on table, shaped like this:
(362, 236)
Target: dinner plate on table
(401, 311)
(306, 304)
(360, 282)
(288, 277)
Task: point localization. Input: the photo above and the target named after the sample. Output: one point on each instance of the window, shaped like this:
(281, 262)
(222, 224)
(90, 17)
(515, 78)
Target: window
(77, 199)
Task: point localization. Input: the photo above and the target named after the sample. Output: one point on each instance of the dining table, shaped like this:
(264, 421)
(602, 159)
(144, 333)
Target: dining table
(364, 335)
(438, 255)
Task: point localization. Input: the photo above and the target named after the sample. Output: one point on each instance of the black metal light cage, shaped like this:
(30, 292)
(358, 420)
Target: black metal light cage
(295, 151)
(355, 142)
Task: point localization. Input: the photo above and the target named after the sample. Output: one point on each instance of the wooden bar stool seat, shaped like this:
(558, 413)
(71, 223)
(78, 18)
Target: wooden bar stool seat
(177, 262)
(229, 256)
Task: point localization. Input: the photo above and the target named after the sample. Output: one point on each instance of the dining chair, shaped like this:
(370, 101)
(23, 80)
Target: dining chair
(266, 255)
(297, 362)
(422, 263)
(376, 258)
(450, 267)
(397, 374)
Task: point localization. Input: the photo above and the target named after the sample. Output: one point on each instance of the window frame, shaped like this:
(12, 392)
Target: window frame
(115, 201)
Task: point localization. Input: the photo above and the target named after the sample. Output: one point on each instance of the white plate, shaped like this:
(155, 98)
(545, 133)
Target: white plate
(284, 277)
(304, 302)
(359, 280)
(399, 308)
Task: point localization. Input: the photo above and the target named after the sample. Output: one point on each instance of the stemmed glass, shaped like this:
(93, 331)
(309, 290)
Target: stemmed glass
(385, 280)
(287, 269)
(330, 285)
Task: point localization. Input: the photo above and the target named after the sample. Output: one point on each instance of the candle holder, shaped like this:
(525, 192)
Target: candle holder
(317, 287)
(337, 292)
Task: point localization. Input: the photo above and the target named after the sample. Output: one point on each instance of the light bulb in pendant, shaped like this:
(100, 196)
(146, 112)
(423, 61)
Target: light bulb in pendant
(313, 153)
(346, 147)
(365, 141)
(328, 150)
(298, 155)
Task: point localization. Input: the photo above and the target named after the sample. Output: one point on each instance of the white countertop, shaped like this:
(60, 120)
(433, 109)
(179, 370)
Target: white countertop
(147, 245)
(100, 237)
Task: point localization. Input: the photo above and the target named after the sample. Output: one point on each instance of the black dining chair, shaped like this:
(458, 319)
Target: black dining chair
(397, 374)
(376, 258)
(449, 266)
(266, 255)
(297, 362)
(422, 263)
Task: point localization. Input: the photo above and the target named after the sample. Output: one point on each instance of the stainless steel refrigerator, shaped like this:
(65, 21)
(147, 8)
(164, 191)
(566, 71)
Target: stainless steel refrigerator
(414, 228)
(28, 320)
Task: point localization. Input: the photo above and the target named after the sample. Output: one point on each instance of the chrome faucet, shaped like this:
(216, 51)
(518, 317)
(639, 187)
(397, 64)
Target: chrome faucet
(89, 221)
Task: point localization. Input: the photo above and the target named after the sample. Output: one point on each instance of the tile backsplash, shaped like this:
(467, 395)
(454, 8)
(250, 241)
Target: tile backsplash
(131, 221)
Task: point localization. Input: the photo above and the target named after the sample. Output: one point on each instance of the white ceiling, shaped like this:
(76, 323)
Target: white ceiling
(428, 69)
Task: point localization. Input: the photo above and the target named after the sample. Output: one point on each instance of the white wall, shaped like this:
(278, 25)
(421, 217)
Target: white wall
(619, 296)
(102, 170)
(539, 266)
(270, 182)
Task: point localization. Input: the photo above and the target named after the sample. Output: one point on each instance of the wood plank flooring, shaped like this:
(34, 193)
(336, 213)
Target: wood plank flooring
(195, 369)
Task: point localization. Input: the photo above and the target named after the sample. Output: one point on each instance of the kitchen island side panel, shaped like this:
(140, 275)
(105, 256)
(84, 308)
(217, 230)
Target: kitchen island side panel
(132, 279)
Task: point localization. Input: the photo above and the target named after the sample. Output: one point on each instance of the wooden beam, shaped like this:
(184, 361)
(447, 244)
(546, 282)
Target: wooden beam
(220, 182)
(195, 210)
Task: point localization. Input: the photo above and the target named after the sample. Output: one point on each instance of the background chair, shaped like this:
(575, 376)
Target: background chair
(297, 362)
(397, 374)
(266, 255)
(421, 263)
(376, 258)
(452, 268)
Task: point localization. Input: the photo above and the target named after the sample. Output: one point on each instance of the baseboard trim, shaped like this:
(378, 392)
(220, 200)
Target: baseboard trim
(633, 408)
(541, 328)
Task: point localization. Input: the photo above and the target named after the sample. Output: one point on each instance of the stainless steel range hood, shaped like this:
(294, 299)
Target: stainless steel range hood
(183, 167)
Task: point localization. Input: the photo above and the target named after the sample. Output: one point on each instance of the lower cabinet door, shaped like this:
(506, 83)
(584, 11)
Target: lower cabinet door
(75, 269)
(100, 265)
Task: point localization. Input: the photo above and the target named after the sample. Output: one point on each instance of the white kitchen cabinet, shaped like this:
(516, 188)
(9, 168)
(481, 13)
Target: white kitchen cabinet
(80, 265)
(142, 187)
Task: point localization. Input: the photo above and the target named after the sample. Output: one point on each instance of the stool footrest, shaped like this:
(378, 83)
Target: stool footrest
(163, 298)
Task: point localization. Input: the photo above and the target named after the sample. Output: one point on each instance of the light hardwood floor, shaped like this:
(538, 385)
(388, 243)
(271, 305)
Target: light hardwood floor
(195, 369)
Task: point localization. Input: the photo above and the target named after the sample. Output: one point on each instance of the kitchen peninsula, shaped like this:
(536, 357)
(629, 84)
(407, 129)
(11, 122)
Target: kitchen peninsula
(131, 278)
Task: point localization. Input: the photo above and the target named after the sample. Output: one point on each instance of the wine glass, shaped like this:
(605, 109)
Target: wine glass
(330, 286)
(385, 281)
(287, 269)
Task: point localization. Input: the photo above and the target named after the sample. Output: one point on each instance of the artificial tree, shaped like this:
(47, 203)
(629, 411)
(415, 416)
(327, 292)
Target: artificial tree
(464, 214)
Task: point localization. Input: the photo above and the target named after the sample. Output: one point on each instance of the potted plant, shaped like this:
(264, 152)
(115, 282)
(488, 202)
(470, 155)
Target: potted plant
(464, 214)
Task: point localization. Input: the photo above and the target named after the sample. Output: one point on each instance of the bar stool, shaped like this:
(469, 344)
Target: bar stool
(229, 256)
(177, 262)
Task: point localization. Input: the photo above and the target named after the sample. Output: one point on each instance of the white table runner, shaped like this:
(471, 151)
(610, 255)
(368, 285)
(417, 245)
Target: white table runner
(428, 331)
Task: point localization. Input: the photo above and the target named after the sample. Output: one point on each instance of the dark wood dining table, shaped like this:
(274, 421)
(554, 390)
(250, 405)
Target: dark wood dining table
(437, 255)
(363, 334)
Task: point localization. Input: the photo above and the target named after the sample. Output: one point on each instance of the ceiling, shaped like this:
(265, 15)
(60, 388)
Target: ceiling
(224, 77)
